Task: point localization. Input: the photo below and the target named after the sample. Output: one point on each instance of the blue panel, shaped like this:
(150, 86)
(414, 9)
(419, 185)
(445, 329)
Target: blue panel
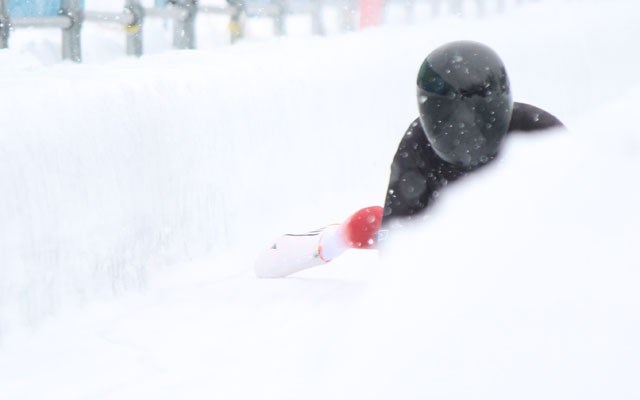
(34, 8)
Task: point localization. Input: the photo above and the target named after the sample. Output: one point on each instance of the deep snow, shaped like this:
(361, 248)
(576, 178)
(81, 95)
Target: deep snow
(522, 281)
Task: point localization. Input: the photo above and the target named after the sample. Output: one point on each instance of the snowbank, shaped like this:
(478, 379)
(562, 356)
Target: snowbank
(521, 283)
(111, 170)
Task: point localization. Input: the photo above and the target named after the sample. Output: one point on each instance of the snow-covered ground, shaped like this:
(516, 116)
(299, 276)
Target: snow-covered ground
(135, 194)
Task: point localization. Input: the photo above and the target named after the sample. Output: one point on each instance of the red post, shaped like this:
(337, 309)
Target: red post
(370, 12)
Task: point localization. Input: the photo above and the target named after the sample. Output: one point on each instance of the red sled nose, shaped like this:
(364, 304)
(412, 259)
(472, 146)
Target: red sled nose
(360, 229)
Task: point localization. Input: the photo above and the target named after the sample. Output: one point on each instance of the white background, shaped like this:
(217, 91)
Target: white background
(135, 194)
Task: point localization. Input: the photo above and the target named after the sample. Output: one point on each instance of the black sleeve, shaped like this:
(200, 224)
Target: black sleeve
(527, 118)
(417, 174)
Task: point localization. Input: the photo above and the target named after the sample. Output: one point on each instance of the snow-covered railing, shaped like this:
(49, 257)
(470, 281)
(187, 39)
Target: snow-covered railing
(4, 25)
(131, 18)
(314, 9)
(479, 8)
(66, 15)
(69, 15)
(181, 12)
(238, 11)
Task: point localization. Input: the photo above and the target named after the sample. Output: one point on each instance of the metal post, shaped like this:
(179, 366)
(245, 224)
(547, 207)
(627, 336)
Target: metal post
(410, 10)
(134, 28)
(4, 25)
(71, 49)
(435, 7)
(279, 18)
(317, 23)
(184, 29)
(481, 8)
(455, 7)
(348, 15)
(237, 20)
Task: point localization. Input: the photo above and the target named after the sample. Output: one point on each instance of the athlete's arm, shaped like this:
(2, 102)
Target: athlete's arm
(417, 173)
(408, 192)
(528, 118)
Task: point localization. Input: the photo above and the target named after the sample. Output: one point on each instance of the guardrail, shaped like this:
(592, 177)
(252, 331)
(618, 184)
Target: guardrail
(68, 19)
(5, 25)
(69, 16)
(131, 18)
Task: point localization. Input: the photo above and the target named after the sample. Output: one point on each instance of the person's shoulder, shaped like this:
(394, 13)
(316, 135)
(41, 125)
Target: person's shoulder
(528, 118)
(414, 143)
(415, 152)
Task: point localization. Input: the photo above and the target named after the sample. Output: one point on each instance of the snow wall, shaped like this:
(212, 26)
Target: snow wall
(112, 170)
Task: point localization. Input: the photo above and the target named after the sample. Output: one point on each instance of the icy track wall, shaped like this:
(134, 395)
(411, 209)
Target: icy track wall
(111, 171)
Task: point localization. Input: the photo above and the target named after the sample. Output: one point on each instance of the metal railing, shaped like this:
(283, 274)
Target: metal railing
(131, 18)
(69, 21)
(71, 16)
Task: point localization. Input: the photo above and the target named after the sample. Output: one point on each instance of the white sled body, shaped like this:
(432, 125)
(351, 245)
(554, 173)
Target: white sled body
(289, 254)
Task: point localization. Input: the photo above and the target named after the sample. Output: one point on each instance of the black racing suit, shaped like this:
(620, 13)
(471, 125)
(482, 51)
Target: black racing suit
(418, 174)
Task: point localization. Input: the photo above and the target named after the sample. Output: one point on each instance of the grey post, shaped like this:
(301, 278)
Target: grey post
(237, 22)
(134, 28)
(481, 8)
(71, 49)
(435, 8)
(184, 29)
(280, 17)
(4, 25)
(317, 23)
(347, 15)
(409, 9)
(456, 7)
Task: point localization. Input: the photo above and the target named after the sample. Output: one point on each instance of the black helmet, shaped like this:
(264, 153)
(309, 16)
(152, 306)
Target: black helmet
(465, 102)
